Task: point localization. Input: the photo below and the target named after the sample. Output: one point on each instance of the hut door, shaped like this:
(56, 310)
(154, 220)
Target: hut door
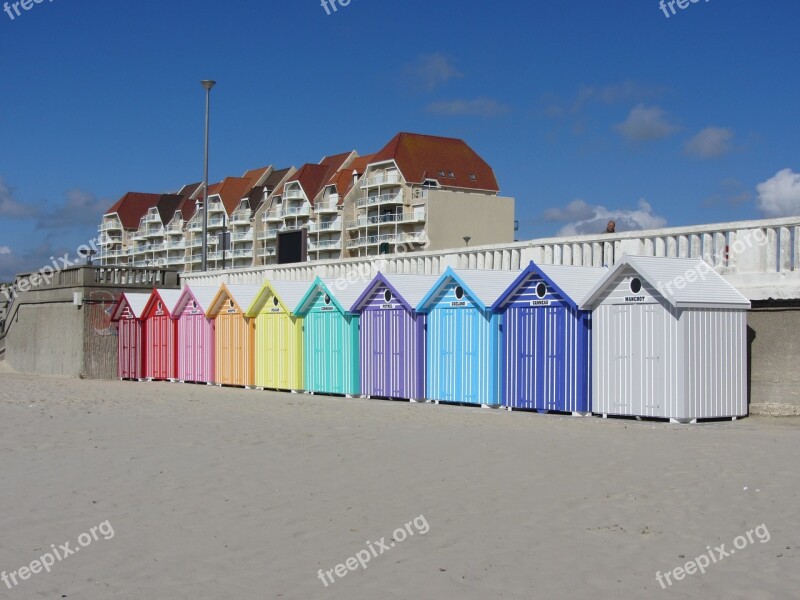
(335, 333)
(395, 346)
(470, 369)
(193, 347)
(553, 358)
(159, 348)
(449, 367)
(652, 382)
(528, 337)
(380, 345)
(127, 343)
(619, 379)
(228, 360)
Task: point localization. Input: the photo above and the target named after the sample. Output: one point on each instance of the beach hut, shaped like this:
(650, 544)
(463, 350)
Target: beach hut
(463, 342)
(669, 340)
(195, 334)
(546, 346)
(279, 335)
(127, 314)
(160, 336)
(330, 336)
(234, 335)
(392, 336)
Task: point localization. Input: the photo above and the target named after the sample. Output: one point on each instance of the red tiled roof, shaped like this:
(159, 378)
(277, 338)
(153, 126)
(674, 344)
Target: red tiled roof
(167, 205)
(255, 174)
(421, 157)
(343, 179)
(231, 190)
(187, 208)
(132, 207)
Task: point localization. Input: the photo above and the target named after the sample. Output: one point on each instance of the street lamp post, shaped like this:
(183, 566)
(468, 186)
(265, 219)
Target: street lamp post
(207, 84)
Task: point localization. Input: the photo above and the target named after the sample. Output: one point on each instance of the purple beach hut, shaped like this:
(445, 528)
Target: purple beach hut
(392, 336)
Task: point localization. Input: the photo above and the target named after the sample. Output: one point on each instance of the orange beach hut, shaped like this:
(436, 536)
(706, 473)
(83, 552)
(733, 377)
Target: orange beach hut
(234, 337)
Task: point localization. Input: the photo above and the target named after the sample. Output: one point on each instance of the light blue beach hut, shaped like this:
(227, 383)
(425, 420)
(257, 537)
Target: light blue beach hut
(463, 342)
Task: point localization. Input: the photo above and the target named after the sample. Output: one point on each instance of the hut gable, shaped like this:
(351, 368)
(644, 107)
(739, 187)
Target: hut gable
(161, 303)
(403, 291)
(561, 285)
(679, 282)
(194, 300)
(278, 297)
(130, 305)
(232, 299)
(478, 288)
(326, 295)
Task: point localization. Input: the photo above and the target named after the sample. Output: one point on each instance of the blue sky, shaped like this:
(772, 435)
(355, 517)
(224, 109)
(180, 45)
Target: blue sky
(585, 109)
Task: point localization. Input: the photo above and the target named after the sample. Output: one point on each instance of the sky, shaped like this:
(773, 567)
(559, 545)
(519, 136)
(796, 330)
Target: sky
(586, 110)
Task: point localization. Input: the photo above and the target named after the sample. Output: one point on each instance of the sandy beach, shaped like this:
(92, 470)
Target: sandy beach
(227, 493)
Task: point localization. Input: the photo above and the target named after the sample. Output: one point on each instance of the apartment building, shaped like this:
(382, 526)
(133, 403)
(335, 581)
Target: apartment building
(426, 192)
(293, 207)
(417, 192)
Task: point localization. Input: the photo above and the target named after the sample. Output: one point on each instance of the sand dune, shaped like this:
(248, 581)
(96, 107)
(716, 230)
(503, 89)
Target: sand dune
(228, 493)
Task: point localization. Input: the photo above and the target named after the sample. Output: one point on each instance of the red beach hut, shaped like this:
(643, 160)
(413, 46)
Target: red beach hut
(130, 353)
(161, 336)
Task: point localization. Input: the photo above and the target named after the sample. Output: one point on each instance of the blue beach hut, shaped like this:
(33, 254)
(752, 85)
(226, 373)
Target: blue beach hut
(546, 346)
(463, 342)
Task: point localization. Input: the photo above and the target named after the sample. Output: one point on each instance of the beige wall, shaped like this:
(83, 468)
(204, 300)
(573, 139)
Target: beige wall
(452, 215)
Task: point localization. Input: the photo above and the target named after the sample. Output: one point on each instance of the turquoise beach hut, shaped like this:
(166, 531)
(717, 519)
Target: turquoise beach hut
(463, 345)
(330, 336)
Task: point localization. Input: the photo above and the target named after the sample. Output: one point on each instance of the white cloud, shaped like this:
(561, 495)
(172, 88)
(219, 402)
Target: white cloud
(5, 250)
(429, 71)
(12, 208)
(480, 107)
(711, 142)
(588, 219)
(646, 123)
(607, 95)
(779, 196)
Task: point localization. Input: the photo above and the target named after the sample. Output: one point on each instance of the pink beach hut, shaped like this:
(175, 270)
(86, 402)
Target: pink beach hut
(130, 351)
(195, 334)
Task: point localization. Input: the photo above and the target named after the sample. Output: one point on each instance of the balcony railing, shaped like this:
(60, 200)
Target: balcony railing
(152, 217)
(276, 214)
(326, 226)
(325, 245)
(173, 245)
(242, 237)
(379, 200)
(293, 195)
(111, 225)
(216, 221)
(406, 217)
(331, 205)
(391, 178)
(215, 207)
(297, 211)
(241, 217)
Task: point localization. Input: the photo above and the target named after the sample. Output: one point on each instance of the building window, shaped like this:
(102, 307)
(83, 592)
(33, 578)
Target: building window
(541, 290)
(387, 295)
(636, 285)
(459, 292)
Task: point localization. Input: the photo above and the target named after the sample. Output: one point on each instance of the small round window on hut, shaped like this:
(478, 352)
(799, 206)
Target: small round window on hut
(387, 295)
(230, 303)
(327, 299)
(160, 305)
(459, 292)
(636, 285)
(275, 301)
(541, 290)
(194, 304)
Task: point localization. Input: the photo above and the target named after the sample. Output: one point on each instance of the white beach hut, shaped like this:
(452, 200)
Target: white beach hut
(669, 341)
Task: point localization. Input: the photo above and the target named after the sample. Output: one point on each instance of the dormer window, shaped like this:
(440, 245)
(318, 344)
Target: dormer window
(430, 183)
(452, 175)
(473, 177)
(442, 173)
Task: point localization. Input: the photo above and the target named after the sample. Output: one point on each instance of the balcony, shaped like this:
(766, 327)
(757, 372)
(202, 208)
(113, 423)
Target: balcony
(390, 178)
(152, 217)
(195, 225)
(325, 245)
(216, 221)
(241, 217)
(177, 260)
(326, 226)
(276, 214)
(241, 253)
(268, 233)
(331, 205)
(174, 245)
(107, 240)
(372, 240)
(293, 195)
(242, 237)
(215, 207)
(154, 232)
(381, 200)
(406, 217)
(297, 211)
(174, 228)
(110, 225)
